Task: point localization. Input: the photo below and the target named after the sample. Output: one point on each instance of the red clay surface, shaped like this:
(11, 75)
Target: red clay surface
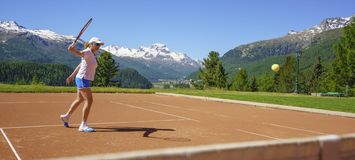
(130, 122)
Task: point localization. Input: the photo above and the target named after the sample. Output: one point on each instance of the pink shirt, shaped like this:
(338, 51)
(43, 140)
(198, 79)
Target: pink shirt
(88, 65)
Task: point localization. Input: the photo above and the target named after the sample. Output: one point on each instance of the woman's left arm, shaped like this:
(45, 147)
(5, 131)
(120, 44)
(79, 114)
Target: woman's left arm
(71, 77)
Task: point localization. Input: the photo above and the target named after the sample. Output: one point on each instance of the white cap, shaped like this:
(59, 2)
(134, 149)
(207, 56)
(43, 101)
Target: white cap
(96, 40)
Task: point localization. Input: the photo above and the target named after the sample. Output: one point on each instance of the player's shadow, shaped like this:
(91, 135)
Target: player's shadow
(147, 131)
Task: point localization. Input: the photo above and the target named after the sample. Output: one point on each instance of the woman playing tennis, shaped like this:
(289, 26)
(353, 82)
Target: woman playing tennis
(84, 73)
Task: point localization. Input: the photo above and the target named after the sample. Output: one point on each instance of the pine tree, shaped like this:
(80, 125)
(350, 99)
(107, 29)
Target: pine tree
(241, 82)
(266, 83)
(106, 70)
(213, 73)
(35, 80)
(340, 68)
(287, 75)
(317, 73)
(276, 84)
(220, 77)
(344, 65)
(254, 85)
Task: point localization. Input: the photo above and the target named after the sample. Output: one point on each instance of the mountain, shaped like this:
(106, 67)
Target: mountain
(154, 62)
(45, 46)
(271, 51)
(130, 78)
(12, 26)
(41, 46)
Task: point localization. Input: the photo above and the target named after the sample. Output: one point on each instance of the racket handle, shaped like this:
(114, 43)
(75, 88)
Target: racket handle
(75, 41)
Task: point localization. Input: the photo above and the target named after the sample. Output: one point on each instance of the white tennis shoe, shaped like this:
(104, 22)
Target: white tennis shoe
(65, 120)
(86, 129)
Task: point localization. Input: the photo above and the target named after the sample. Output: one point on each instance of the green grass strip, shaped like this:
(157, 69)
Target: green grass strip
(344, 104)
(65, 89)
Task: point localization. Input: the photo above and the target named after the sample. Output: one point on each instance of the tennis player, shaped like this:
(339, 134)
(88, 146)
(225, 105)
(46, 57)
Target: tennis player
(84, 73)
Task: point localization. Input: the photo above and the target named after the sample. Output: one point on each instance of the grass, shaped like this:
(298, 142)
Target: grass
(344, 104)
(64, 89)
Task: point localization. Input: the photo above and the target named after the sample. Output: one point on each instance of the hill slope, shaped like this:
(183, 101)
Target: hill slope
(316, 41)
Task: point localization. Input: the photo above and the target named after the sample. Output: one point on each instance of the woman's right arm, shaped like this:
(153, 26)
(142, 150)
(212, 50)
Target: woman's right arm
(72, 49)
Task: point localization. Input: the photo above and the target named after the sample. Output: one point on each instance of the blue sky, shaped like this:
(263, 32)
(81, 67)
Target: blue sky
(194, 27)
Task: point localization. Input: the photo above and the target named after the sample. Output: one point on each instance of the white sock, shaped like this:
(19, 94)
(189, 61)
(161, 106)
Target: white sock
(66, 115)
(83, 124)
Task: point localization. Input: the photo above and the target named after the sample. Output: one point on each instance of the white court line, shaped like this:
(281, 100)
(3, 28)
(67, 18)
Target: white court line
(221, 115)
(100, 123)
(293, 128)
(27, 102)
(184, 108)
(170, 106)
(10, 144)
(132, 106)
(261, 135)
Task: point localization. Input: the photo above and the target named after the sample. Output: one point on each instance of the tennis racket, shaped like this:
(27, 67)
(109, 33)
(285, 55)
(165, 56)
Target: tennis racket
(83, 30)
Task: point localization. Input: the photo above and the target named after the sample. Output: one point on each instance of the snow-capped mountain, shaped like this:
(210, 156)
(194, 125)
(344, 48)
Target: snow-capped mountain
(293, 41)
(12, 26)
(157, 51)
(35, 45)
(45, 46)
(166, 64)
(326, 25)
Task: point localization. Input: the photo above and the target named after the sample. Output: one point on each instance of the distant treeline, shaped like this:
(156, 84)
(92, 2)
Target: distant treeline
(130, 78)
(18, 72)
(22, 72)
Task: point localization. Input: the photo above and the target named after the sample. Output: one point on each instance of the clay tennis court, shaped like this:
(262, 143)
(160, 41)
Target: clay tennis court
(31, 128)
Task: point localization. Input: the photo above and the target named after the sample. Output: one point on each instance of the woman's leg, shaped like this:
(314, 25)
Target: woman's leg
(76, 103)
(87, 94)
(65, 117)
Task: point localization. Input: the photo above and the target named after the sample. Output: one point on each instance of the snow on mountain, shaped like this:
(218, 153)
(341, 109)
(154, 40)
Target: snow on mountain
(47, 34)
(12, 26)
(305, 37)
(154, 62)
(157, 51)
(292, 32)
(294, 41)
(326, 25)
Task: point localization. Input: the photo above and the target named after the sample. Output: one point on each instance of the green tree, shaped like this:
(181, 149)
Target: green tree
(266, 83)
(344, 64)
(287, 75)
(220, 77)
(327, 82)
(213, 73)
(106, 70)
(316, 75)
(35, 80)
(254, 85)
(241, 82)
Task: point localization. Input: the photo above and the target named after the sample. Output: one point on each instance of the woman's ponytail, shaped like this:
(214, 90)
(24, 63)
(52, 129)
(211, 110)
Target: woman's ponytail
(86, 45)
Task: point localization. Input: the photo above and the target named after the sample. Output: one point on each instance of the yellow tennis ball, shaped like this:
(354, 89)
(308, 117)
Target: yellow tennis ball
(275, 67)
